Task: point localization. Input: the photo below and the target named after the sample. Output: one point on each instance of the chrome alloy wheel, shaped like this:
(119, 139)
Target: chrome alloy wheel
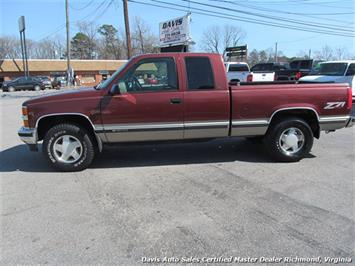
(67, 149)
(291, 140)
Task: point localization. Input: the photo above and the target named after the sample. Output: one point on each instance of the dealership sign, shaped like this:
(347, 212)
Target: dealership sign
(175, 31)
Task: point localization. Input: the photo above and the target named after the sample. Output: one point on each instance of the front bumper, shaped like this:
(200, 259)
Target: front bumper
(29, 136)
(351, 122)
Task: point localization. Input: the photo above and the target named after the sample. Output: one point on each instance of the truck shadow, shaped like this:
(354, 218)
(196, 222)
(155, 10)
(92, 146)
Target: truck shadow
(19, 158)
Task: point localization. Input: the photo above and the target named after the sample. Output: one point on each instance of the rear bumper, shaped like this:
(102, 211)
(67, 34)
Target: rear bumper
(351, 122)
(29, 136)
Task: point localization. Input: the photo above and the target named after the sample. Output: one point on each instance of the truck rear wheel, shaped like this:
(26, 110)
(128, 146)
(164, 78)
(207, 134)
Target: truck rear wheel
(289, 140)
(68, 147)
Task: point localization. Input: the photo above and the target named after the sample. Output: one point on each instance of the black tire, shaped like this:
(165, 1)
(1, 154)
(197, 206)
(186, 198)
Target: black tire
(87, 146)
(272, 139)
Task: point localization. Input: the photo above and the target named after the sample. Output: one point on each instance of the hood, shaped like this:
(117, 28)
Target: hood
(320, 78)
(64, 95)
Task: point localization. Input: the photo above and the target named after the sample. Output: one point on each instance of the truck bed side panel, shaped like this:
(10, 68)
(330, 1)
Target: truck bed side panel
(254, 106)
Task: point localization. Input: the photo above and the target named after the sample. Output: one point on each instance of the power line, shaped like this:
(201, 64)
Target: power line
(92, 13)
(306, 23)
(82, 8)
(317, 16)
(238, 18)
(102, 13)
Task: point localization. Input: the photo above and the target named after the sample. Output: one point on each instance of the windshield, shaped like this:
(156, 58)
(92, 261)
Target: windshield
(332, 69)
(103, 84)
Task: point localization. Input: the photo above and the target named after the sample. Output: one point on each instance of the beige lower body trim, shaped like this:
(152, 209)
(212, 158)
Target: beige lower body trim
(327, 123)
(254, 127)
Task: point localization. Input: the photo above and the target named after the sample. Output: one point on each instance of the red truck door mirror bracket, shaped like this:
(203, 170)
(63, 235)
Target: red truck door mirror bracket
(119, 88)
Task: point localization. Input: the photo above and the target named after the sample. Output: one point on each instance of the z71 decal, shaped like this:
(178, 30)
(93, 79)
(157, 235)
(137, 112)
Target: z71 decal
(333, 105)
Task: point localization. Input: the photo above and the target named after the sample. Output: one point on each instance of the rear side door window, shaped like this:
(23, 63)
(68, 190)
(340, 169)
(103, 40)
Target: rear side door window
(199, 73)
(238, 68)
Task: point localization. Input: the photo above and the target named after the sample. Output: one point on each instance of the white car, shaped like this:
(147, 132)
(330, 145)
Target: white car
(237, 70)
(334, 71)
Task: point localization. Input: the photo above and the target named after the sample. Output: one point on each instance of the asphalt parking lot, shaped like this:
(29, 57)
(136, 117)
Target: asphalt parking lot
(214, 199)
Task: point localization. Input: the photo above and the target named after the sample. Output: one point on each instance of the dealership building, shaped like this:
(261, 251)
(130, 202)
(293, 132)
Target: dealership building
(89, 72)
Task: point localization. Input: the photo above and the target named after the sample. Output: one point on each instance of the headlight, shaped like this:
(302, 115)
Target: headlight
(25, 116)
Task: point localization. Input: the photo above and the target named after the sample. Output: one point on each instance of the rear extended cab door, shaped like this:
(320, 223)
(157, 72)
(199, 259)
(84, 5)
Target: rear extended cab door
(206, 96)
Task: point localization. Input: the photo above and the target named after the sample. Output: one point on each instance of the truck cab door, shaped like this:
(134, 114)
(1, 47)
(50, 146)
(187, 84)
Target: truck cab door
(206, 98)
(147, 105)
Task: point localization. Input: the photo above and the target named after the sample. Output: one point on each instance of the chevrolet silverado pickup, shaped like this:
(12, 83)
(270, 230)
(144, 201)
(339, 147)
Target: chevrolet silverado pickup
(189, 100)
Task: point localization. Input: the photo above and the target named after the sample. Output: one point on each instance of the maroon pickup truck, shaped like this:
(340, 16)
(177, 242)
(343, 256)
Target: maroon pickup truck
(189, 99)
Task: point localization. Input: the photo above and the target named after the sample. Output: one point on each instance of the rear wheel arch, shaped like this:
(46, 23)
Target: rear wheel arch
(309, 115)
(45, 123)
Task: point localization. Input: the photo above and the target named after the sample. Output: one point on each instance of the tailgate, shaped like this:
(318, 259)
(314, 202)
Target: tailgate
(263, 76)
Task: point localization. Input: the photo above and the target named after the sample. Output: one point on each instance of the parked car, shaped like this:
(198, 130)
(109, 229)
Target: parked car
(262, 72)
(283, 72)
(334, 71)
(194, 102)
(46, 81)
(238, 71)
(302, 67)
(23, 83)
(59, 82)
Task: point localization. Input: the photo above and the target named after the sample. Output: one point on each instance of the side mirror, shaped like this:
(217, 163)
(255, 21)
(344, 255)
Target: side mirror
(119, 88)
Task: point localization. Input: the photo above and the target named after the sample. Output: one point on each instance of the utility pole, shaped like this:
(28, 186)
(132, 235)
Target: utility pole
(275, 52)
(25, 48)
(23, 55)
(22, 29)
(68, 43)
(309, 53)
(128, 33)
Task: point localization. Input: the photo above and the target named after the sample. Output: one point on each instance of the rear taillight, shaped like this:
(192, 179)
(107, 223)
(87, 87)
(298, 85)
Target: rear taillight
(250, 78)
(298, 75)
(350, 99)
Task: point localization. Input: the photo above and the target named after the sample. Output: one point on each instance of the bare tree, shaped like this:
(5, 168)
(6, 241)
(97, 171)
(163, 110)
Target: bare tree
(143, 40)
(232, 36)
(326, 53)
(48, 49)
(211, 39)
(303, 54)
(341, 53)
(10, 47)
(216, 39)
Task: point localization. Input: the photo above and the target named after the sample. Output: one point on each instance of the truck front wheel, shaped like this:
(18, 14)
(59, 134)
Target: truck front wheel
(289, 140)
(68, 147)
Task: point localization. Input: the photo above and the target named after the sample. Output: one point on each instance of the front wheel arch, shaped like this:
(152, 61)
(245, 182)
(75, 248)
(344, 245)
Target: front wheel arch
(45, 123)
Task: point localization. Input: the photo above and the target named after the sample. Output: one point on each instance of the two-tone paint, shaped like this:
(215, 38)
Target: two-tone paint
(222, 111)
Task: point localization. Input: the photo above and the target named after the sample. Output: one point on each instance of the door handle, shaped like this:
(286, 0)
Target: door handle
(175, 100)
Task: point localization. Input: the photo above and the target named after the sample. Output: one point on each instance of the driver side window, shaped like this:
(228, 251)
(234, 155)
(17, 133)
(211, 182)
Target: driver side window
(151, 75)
